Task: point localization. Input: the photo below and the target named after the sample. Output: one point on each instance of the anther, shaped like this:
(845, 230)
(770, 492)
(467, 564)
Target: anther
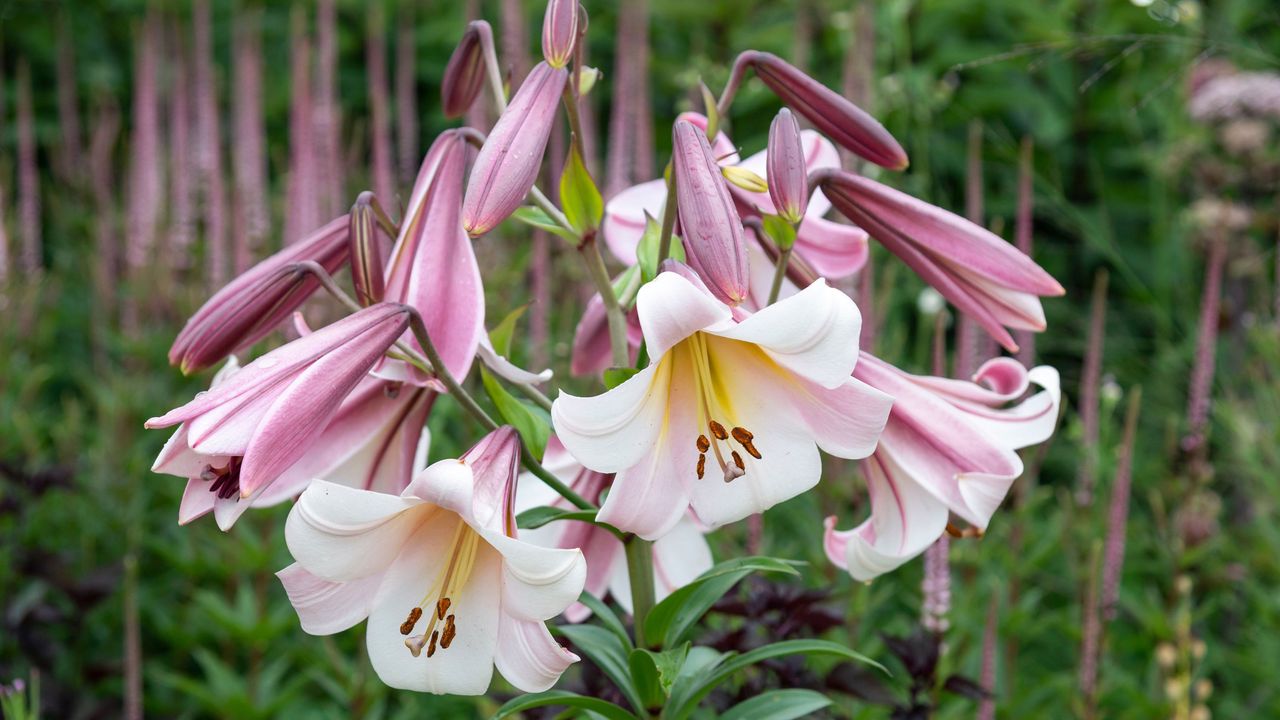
(751, 449)
(450, 631)
(960, 533)
(431, 647)
(718, 430)
(703, 444)
(742, 435)
(737, 460)
(442, 607)
(702, 466)
(406, 627)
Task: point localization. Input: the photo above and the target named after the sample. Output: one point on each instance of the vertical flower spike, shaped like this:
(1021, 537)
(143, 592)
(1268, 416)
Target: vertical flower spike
(785, 168)
(712, 230)
(449, 592)
(977, 271)
(508, 164)
(256, 302)
(464, 75)
(849, 125)
(559, 32)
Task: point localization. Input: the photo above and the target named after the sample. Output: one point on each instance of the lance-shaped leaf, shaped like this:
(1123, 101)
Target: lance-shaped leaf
(559, 31)
(508, 164)
(583, 205)
(464, 75)
(712, 230)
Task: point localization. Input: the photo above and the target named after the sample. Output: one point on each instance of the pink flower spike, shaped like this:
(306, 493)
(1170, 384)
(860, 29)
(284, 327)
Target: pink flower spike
(787, 174)
(559, 32)
(711, 228)
(256, 302)
(464, 75)
(267, 416)
(849, 125)
(978, 272)
(508, 164)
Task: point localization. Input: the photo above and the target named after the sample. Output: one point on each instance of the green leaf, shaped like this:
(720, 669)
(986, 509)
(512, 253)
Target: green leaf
(712, 110)
(645, 675)
(500, 335)
(535, 217)
(579, 195)
(668, 664)
(615, 376)
(675, 616)
(647, 250)
(536, 517)
(778, 705)
(531, 422)
(609, 654)
(690, 689)
(562, 697)
(606, 616)
(780, 231)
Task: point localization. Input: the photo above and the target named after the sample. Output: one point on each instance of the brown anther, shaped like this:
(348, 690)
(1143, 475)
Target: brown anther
(750, 447)
(718, 430)
(969, 532)
(406, 627)
(442, 607)
(737, 460)
(703, 444)
(431, 647)
(450, 632)
(702, 465)
(742, 435)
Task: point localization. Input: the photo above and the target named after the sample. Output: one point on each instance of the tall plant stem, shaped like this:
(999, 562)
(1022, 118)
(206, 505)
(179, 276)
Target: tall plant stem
(640, 571)
(779, 272)
(590, 251)
(668, 217)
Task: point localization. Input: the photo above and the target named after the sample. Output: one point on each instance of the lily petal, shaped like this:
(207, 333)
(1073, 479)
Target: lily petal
(528, 657)
(613, 431)
(342, 534)
(538, 583)
(671, 309)
(325, 607)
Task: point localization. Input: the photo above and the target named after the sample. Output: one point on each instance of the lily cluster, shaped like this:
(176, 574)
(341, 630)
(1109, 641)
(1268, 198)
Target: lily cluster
(750, 369)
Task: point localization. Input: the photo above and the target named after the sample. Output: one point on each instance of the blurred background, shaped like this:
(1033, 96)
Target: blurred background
(148, 150)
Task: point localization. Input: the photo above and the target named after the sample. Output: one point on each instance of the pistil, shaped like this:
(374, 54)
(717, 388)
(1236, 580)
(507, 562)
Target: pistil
(461, 560)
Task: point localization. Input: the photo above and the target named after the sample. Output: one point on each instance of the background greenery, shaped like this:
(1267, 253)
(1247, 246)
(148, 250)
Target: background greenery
(1100, 86)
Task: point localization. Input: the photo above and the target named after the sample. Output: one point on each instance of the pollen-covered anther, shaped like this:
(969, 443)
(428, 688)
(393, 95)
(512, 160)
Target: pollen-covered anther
(431, 647)
(702, 465)
(703, 444)
(718, 431)
(961, 533)
(742, 435)
(406, 627)
(450, 631)
(737, 460)
(442, 607)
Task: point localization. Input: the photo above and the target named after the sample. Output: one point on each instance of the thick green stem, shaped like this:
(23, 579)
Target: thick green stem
(668, 217)
(590, 252)
(778, 274)
(640, 571)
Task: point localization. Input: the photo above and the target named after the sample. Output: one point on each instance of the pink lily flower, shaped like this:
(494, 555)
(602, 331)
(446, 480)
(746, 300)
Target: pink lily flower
(977, 271)
(508, 164)
(255, 423)
(832, 249)
(728, 417)
(255, 303)
(679, 557)
(709, 224)
(448, 588)
(433, 265)
(559, 32)
(948, 448)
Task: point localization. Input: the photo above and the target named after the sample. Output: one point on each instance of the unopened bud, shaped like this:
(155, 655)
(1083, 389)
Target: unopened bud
(464, 75)
(712, 229)
(785, 166)
(559, 32)
(368, 254)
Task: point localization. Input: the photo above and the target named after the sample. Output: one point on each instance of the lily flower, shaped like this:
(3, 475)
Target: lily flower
(508, 164)
(948, 449)
(832, 249)
(255, 303)
(448, 589)
(433, 265)
(464, 74)
(255, 423)
(709, 224)
(728, 417)
(679, 557)
(982, 275)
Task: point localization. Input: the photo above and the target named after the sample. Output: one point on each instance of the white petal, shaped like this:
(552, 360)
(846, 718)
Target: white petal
(538, 583)
(671, 309)
(614, 430)
(340, 533)
(325, 607)
(528, 657)
(506, 369)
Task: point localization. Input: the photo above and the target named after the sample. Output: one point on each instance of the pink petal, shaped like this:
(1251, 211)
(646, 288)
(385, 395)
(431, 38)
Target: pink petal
(834, 250)
(494, 462)
(624, 217)
(325, 607)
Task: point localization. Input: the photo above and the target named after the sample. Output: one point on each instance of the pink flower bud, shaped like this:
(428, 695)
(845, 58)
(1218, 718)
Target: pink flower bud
(464, 75)
(508, 164)
(255, 303)
(785, 167)
(710, 226)
(847, 124)
(368, 253)
(559, 31)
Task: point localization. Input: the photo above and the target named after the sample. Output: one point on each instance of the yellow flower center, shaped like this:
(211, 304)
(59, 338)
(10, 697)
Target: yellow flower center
(438, 602)
(694, 358)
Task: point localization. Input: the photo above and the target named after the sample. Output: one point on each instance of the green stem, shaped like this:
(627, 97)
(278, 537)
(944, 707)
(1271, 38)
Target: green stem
(640, 571)
(491, 69)
(590, 252)
(779, 273)
(542, 201)
(668, 217)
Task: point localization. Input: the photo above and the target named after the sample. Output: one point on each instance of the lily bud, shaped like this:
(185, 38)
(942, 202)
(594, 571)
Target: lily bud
(368, 255)
(559, 32)
(977, 271)
(788, 178)
(464, 75)
(712, 230)
(847, 124)
(508, 164)
(256, 302)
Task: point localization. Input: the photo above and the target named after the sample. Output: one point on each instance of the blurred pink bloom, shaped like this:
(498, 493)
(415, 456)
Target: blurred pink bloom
(982, 275)
(949, 447)
(679, 557)
(464, 75)
(447, 588)
(559, 31)
(508, 164)
(257, 422)
(709, 224)
(729, 415)
(256, 302)
(786, 169)
(592, 353)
